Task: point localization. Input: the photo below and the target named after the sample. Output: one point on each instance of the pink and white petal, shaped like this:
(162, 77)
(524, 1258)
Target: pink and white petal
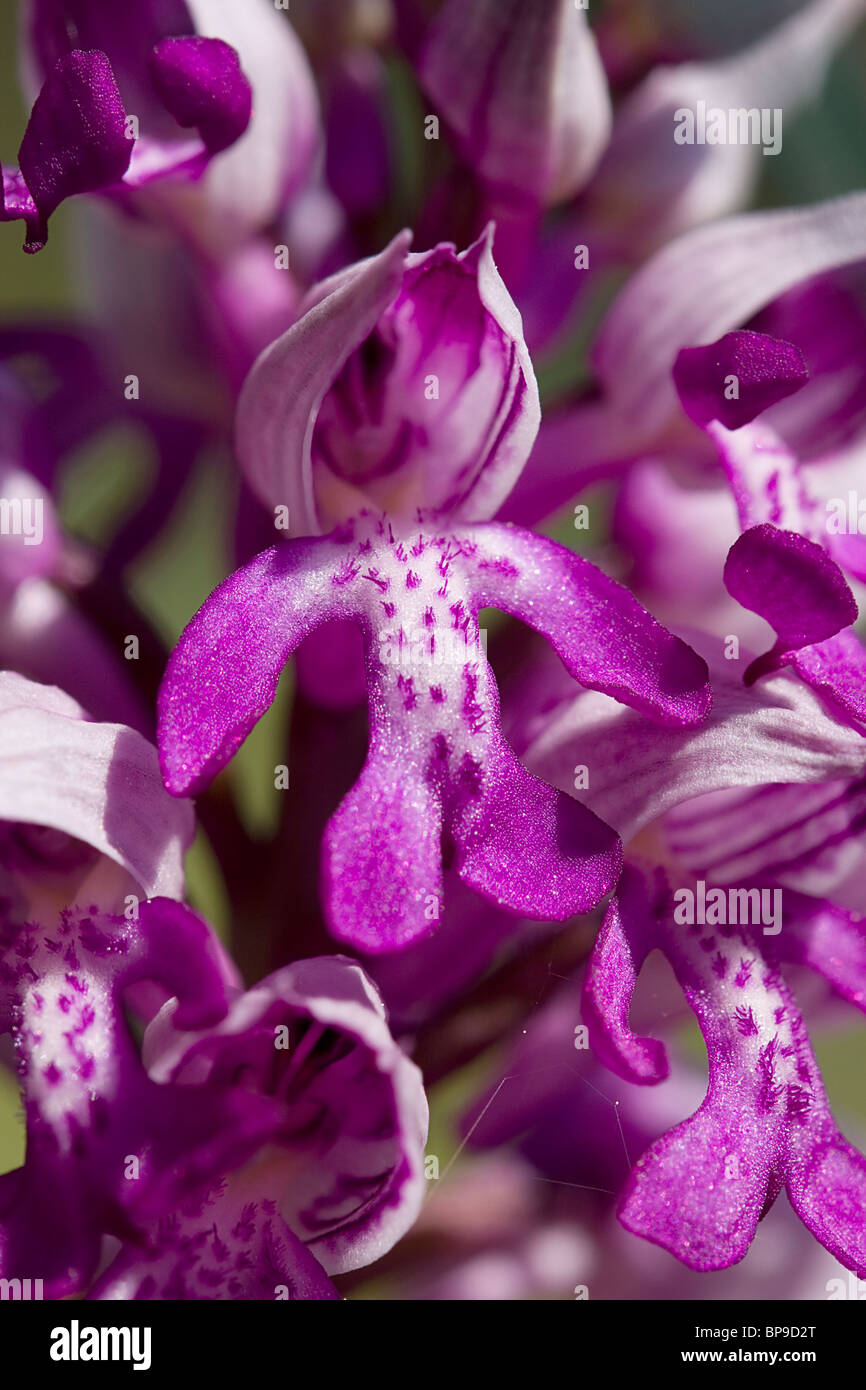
(708, 282)
(776, 732)
(281, 396)
(99, 783)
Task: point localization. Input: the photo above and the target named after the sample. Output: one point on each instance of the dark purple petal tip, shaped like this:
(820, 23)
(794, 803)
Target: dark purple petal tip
(737, 378)
(75, 141)
(201, 84)
(792, 583)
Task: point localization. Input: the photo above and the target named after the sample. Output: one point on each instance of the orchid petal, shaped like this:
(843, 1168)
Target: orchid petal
(620, 950)
(606, 640)
(764, 370)
(97, 782)
(523, 91)
(281, 395)
(707, 283)
(223, 673)
(200, 82)
(75, 141)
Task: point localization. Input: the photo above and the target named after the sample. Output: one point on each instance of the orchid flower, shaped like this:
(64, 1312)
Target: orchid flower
(95, 75)
(768, 792)
(136, 107)
(85, 820)
(334, 1119)
(395, 416)
(332, 1139)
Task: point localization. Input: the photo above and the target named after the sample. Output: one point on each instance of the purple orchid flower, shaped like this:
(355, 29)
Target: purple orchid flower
(116, 98)
(765, 1122)
(337, 1176)
(85, 818)
(105, 1145)
(733, 812)
(333, 1139)
(399, 430)
(779, 567)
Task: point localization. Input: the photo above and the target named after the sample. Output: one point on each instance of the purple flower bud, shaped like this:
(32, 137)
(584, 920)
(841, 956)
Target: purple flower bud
(523, 91)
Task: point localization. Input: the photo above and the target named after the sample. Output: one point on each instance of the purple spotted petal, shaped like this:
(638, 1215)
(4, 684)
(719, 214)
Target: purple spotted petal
(437, 766)
(606, 640)
(736, 378)
(528, 848)
(219, 1247)
(75, 141)
(105, 1145)
(223, 673)
(765, 1120)
(201, 83)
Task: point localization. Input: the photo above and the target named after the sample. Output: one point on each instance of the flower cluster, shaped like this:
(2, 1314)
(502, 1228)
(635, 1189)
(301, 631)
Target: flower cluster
(452, 358)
